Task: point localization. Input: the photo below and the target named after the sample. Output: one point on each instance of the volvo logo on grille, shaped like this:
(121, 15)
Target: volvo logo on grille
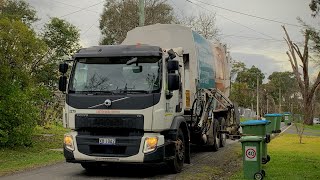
(107, 102)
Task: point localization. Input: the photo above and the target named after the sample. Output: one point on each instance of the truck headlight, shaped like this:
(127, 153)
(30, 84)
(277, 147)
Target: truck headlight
(68, 142)
(150, 144)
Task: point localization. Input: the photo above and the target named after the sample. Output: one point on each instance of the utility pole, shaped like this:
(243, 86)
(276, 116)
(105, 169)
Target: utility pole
(280, 100)
(258, 113)
(141, 13)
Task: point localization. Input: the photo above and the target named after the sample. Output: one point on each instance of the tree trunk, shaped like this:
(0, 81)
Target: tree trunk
(308, 110)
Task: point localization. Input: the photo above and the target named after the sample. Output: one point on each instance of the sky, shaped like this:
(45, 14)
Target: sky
(251, 40)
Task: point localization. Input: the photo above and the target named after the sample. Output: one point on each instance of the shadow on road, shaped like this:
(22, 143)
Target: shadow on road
(129, 171)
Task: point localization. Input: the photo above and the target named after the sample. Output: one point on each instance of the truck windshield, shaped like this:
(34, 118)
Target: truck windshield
(114, 75)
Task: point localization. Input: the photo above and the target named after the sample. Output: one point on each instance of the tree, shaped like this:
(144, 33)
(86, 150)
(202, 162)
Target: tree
(204, 24)
(315, 7)
(306, 88)
(119, 17)
(237, 66)
(62, 40)
(283, 84)
(250, 76)
(240, 93)
(19, 47)
(18, 10)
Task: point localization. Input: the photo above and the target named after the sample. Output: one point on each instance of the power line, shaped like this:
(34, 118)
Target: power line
(82, 9)
(88, 10)
(250, 15)
(231, 20)
(253, 38)
(177, 7)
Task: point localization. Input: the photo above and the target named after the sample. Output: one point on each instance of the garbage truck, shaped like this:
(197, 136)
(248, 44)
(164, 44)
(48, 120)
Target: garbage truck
(148, 99)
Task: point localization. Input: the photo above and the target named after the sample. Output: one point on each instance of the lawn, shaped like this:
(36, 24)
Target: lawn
(291, 160)
(21, 158)
(314, 127)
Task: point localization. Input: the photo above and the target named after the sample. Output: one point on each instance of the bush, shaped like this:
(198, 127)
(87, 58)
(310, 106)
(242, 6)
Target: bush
(18, 115)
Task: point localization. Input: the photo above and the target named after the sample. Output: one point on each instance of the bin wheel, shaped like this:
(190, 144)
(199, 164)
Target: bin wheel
(264, 160)
(268, 138)
(258, 176)
(268, 158)
(263, 173)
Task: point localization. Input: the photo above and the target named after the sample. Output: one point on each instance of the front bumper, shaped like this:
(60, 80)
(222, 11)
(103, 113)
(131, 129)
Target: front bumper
(156, 156)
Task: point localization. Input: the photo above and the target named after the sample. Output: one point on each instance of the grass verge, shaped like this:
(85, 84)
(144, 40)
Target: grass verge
(314, 127)
(291, 160)
(39, 154)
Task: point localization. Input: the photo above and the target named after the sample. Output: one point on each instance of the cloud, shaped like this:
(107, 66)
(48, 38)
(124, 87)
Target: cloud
(266, 64)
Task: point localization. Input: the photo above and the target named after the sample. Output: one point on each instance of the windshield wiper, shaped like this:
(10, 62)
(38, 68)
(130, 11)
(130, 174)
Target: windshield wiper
(94, 92)
(138, 91)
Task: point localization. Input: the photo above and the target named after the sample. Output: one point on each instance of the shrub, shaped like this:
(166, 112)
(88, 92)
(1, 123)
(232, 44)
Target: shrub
(18, 115)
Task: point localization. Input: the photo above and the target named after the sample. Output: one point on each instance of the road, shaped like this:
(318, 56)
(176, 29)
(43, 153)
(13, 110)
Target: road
(223, 160)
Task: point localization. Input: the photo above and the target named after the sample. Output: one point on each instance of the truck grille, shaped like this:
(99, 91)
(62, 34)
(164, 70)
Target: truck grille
(126, 129)
(124, 147)
(121, 121)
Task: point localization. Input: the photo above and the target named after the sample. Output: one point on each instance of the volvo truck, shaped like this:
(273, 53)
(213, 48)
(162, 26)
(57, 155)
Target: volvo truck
(147, 100)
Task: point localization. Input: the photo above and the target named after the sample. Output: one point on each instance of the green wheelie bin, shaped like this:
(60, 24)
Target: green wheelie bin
(278, 123)
(251, 156)
(258, 128)
(272, 126)
(287, 118)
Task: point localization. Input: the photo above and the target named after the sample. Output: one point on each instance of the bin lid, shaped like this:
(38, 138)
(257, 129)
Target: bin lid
(251, 139)
(254, 122)
(272, 115)
(287, 113)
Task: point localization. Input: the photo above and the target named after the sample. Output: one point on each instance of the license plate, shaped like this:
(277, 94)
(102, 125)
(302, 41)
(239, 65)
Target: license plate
(107, 141)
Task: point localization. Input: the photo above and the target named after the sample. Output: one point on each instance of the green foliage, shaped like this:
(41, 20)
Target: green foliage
(18, 115)
(241, 94)
(237, 66)
(119, 17)
(18, 10)
(250, 76)
(315, 7)
(61, 37)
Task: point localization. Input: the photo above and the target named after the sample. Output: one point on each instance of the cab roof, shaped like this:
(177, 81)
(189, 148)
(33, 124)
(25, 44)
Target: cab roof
(119, 51)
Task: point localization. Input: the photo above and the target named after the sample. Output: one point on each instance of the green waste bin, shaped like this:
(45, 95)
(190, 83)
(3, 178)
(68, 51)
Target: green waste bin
(274, 126)
(287, 118)
(251, 156)
(258, 128)
(278, 123)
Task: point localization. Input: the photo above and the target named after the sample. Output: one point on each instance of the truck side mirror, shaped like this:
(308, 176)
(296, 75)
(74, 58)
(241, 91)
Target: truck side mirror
(63, 68)
(63, 83)
(171, 54)
(173, 65)
(173, 81)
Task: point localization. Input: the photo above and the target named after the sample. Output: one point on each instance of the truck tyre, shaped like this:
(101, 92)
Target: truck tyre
(91, 167)
(216, 128)
(176, 164)
(222, 136)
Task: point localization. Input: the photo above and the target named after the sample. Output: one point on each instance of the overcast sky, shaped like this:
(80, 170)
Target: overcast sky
(251, 40)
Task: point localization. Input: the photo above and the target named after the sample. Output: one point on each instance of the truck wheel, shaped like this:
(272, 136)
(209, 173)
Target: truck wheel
(91, 167)
(216, 128)
(222, 136)
(176, 164)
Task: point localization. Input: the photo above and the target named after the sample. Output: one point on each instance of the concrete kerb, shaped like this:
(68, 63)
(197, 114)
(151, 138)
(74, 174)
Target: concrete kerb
(283, 129)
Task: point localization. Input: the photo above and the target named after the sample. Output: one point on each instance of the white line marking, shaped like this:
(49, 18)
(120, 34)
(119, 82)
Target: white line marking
(286, 129)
